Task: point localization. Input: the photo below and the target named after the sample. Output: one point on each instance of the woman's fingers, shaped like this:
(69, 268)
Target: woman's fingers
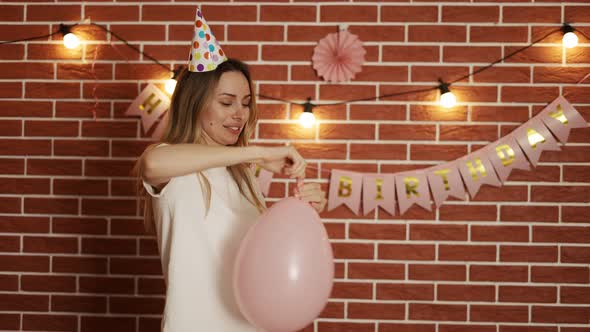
(310, 198)
(320, 206)
(297, 168)
(311, 188)
(316, 206)
(293, 169)
(311, 192)
(298, 171)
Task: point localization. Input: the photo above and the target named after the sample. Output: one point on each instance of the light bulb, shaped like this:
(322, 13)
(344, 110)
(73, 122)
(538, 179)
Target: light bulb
(170, 85)
(307, 119)
(570, 40)
(71, 41)
(448, 100)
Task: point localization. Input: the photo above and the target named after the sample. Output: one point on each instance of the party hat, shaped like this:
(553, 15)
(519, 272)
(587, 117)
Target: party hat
(206, 54)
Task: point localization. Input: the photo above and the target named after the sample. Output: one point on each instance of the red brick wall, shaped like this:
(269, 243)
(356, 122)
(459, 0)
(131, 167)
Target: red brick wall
(72, 253)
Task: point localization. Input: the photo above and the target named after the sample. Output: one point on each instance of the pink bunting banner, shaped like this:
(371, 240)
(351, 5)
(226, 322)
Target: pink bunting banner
(476, 169)
(506, 155)
(378, 191)
(157, 134)
(561, 117)
(491, 165)
(150, 105)
(445, 181)
(345, 188)
(534, 138)
(412, 188)
(263, 177)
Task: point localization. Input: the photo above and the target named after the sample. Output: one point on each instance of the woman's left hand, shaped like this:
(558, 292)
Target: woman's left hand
(312, 193)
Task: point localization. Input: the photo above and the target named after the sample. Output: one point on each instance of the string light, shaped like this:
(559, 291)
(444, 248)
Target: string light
(570, 39)
(447, 98)
(307, 119)
(171, 83)
(71, 41)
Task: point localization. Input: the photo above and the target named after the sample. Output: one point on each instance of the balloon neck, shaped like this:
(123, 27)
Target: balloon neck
(299, 182)
(299, 185)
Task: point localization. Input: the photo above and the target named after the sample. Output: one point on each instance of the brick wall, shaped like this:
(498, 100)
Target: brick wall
(72, 253)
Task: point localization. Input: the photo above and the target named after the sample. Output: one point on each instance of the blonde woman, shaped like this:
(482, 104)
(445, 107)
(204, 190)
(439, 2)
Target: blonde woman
(201, 195)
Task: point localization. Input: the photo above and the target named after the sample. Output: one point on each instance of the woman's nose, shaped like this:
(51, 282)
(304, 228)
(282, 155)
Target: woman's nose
(240, 112)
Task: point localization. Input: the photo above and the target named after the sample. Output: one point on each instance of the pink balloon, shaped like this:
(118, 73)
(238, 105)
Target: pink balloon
(284, 269)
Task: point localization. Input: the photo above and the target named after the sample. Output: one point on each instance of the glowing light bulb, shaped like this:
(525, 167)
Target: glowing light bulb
(71, 41)
(170, 85)
(307, 119)
(448, 100)
(570, 40)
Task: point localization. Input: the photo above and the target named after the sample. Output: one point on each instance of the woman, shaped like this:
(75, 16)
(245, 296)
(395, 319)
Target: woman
(204, 197)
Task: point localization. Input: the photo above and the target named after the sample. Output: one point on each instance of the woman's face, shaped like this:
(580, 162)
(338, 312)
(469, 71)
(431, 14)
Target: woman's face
(224, 119)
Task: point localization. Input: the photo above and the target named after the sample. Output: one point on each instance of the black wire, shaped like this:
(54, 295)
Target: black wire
(130, 45)
(382, 96)
(317, 105)
(583, 34)
(505, 57)
(98, 25)
(277, 99)
(30, 38)
(353, 100)
(434, 87)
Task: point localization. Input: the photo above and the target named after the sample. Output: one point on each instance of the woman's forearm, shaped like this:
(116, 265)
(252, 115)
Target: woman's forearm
(168, 161)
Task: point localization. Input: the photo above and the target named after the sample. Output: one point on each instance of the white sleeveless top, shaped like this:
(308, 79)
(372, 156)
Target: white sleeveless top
(198, 251)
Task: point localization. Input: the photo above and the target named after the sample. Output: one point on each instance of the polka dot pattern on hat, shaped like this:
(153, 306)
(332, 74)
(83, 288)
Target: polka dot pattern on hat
(206, 53)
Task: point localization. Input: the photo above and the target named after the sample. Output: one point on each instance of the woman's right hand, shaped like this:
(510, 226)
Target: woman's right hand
(283, 160)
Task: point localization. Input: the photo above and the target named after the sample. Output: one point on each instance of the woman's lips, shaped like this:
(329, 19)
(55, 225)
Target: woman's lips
(233, 129)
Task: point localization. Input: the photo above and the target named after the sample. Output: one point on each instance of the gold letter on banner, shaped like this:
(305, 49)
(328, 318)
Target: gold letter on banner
(477, 170)
(378, 190)
(412, 188)
(258, 168)
(534, 137)
(559, 115)
(151, 104)
(445, 180)
(473, 170)
(443, 173)
(345, 188)
(411, 185)
(344, 182)
(379, 183)
(505, 153)
(148, 102)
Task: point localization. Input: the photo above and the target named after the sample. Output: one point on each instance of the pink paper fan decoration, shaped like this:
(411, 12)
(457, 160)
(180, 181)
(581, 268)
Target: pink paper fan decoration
(338, 56)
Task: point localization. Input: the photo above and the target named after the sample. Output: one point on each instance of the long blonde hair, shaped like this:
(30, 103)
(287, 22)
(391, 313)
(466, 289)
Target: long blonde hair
(191, 97)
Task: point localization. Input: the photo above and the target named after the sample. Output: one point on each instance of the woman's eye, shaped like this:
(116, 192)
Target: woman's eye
(229, 104)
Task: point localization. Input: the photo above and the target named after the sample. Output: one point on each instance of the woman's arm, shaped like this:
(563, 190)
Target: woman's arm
(165, 162)
(168, 161)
